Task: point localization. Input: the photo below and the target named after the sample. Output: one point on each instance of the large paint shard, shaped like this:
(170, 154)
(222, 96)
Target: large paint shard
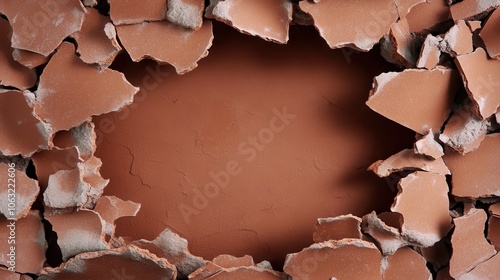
(71, 92)
(418, 99)
(342, 259)
(470, 248)
(427, 221)
(268, 19)
(481, 77)
(22, 133)
(40, 26)
(167, 43)
(128, 262)
(12, 73)
(476, 174)
(96, 40)
(79, 232)
(341, 28)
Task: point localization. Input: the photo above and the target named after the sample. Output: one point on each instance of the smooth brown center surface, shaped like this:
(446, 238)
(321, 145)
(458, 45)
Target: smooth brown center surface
(242, 155)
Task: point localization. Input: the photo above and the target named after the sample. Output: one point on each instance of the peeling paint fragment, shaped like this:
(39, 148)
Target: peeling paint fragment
(40, 26)
(268, 19)
(71, 92)
(483, 163)
(408, 160)
(129, 262)
(342, 28)
(415, 98)
(96, 40)
(180, 47)
(428, 221)
(470, 247)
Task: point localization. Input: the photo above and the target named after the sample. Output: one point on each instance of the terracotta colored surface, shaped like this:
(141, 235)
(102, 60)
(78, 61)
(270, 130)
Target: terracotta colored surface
(234, 163)
(427, 15)
(30, 244)
(494, 209)
(470, 248)
(186, 13)
(205, 271)
(238, 271)
(110, 208)
(480, 76)
(485, 270)
(25, 192)
(65, 190)
(427, 221)
(9, 275)
(78, 232)
(418, 99)
(345, 226)
(196, 123)
(90, 174)
(458, 40)
(474, 25)
(405, 6)
(387, 237)
(89, 3)
(268, 19)
(406, 264)
(407, 159)
(343, 259)
(136, 11)
(127, 263)
(174, 248)
(483, 163)
(470, 8)
(340, 27)
(82, 137)
(428, 146)
(96, 39)
(464, 131)
(71, 92)
(11, 72)
(430, 52)
(28, 58)
(40, 26)
(167, 43)
(439, 254)
(51, 161)
(489, 34)
(228, 261)
(21, 133)
(399, 46)
(494, 231)
(80, 187)
(243, 273)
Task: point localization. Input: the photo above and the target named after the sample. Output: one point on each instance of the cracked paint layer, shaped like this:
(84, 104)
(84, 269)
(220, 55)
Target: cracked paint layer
(98, 93)
(233, 163)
